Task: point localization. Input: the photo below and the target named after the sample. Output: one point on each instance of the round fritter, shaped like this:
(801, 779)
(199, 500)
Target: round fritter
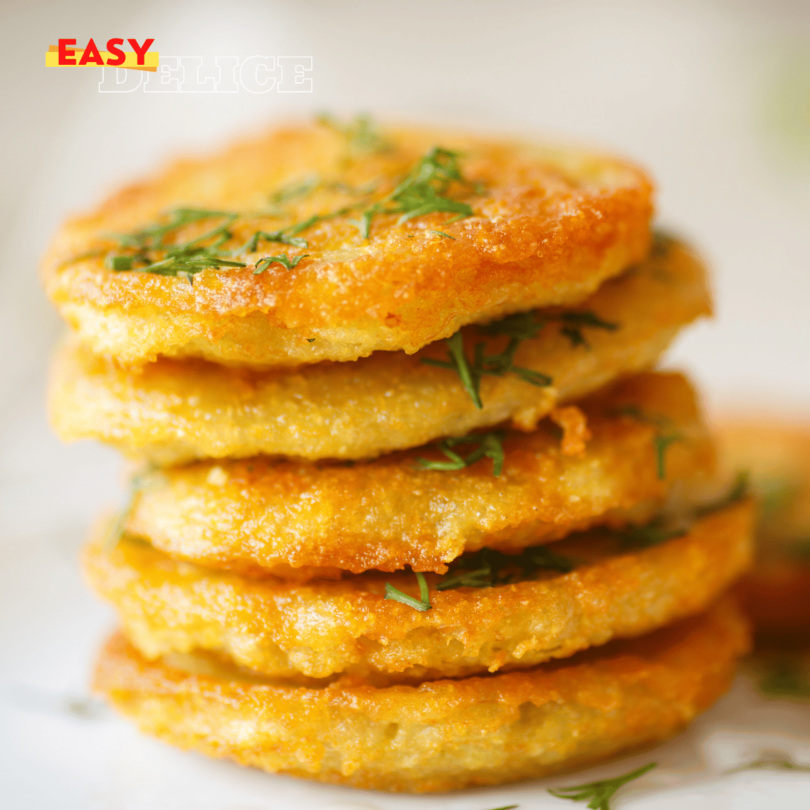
(532, 613)
(776, 454)
(442, 735)
(286, 518)
(175, 411)
(507, 226)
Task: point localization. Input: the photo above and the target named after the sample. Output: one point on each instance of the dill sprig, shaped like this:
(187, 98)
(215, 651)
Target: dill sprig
(487, 568)
(494, 365)
(490, 445)
(598, 794)
(421, 604)
(423, 192)
(361, 134)
(774, 495)
(662, 242)
(652, 534)
(661, 442)
(785, 677)
(527, 325)
(282, 259)
(193, 256)
(299, 227)
(294, 191)
(458, 363)
(252, 245)
(664, 435)
(663, 528)
(574, 322)
(138, 484)
(179, 259)
(519, 327)
(152, 237)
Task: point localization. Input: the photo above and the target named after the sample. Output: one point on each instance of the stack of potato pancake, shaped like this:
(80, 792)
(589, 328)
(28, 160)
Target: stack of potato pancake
(411, 510)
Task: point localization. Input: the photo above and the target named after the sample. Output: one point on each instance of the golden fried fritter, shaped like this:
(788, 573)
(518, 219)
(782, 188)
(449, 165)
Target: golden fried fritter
(547, 226)
(324, 628)
(173, 411)
(442, 735)
(267, 516)
(776, 593)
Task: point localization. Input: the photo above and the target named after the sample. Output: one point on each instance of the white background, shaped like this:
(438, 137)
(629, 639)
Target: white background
(713, 98)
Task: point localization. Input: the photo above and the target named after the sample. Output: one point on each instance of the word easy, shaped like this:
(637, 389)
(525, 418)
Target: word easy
(113, 56)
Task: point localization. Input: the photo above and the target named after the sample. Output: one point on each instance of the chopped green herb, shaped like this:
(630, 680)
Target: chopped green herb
(458, 363)
(775, 495)
(487, 568)
(138, 483)
(771, 761)
(495, 365)
(447, 236)
(310, 340)
(421, 604)
(152, 237)
(490, 445)
(521, 326)
(574, 322)
(361, 134)
(119, 263)
(353, 191)
(252, 245)
(661, 442)
(663, 528)
(664, 435)
(652, 534)
(182, 258)
(294, 191)
(785, 677)
(527, 325)
(662, 242)
(283, 260)
(294, 230)
(422, 192)
(598, 794)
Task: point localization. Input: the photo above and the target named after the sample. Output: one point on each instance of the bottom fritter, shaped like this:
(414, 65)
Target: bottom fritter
(441, 735)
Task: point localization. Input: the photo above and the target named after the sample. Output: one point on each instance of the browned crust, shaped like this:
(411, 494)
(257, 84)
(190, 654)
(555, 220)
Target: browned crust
(551, 226)
(259, 515)
(326, 628)
(176, 411)
(446, 734)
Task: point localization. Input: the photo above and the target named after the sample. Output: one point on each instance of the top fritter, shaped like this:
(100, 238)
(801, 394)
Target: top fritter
(330, 242)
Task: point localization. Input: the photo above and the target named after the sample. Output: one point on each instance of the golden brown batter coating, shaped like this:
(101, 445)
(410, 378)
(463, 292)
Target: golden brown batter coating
(326, 628)
(442, 735)
(548, 226)
(776, 453)
(267, 516)
(173, 411)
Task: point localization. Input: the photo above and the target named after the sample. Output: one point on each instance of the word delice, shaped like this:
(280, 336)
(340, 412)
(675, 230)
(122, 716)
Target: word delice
(222, 74)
